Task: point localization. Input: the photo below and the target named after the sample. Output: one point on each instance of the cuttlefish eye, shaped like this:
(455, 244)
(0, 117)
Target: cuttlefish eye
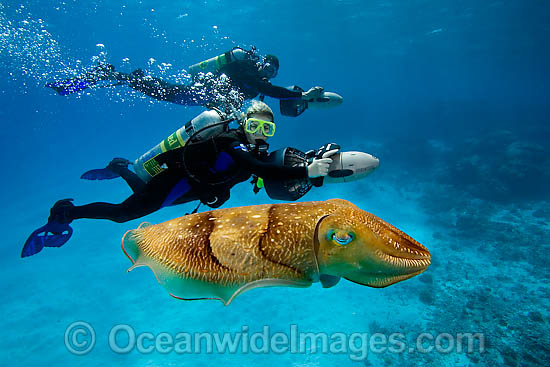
(341, 238)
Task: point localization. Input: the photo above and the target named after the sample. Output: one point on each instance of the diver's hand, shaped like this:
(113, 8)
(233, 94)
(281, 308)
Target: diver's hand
(313, 93)
(328, 150)
(319, 167)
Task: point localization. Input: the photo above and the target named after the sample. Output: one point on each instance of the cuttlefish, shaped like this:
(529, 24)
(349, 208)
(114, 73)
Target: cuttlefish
(222, 253)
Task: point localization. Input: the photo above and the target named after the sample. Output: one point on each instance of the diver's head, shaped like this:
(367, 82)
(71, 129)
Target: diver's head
(269, 66)
(259, 122)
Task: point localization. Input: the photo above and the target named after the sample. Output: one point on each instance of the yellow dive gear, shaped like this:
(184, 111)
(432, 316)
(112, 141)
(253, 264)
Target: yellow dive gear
(253, 125)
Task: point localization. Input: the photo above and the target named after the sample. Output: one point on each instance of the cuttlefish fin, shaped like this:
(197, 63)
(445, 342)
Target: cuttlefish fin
(328, 281)
(269, 282)
(254, 284)
(129, 245)
(144, 225)
(342, 203)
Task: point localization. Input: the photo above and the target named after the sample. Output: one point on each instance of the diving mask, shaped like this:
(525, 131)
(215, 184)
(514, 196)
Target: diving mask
(253, 125)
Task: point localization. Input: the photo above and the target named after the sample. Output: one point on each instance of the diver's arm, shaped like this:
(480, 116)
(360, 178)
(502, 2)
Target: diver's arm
(245, 73)
(274, 91)
(172, 158)
(265, 169)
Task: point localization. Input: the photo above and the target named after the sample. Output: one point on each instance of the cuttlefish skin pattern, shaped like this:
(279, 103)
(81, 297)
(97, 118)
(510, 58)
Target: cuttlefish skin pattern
(221, 253)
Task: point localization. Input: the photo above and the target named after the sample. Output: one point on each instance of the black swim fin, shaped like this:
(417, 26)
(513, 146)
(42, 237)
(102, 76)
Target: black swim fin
(91, 78)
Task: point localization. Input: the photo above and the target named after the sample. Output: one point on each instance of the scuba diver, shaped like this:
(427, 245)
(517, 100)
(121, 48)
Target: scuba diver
(248, 73)
(202, 161)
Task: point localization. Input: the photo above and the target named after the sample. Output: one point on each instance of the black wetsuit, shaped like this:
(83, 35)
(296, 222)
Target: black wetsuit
(210, 169)
(244, 75)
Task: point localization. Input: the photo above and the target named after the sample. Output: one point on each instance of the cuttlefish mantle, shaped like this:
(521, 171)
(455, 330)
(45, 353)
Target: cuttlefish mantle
(222, 253)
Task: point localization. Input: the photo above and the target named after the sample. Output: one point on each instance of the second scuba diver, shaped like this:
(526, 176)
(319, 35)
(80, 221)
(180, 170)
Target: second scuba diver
(248, 73)
(181, 170)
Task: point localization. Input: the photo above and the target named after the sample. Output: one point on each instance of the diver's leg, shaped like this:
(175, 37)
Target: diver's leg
(120, 166)
(132, 208)
(161, 191)
(165, 91)
(159, 89)
(137, 205)
(133, 180)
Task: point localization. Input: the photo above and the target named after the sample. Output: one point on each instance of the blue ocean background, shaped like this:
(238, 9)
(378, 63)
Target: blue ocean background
(452, 96)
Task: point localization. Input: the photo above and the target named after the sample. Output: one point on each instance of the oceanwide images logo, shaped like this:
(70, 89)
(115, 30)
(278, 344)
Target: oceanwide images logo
(80, 339)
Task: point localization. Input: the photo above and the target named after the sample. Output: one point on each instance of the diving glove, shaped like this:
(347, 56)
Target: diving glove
(319, 166)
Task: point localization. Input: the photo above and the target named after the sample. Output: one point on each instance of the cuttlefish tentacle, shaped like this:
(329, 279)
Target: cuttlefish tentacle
(221, 253)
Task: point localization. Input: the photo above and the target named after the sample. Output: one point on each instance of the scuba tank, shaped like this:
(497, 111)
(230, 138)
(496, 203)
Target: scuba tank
(214, 64)
(147, 167)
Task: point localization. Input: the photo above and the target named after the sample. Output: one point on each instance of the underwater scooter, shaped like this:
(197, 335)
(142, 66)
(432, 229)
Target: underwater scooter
(345, 167)
(295, 108)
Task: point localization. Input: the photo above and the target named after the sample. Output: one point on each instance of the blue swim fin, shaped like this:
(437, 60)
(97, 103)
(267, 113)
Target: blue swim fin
(70, 86)
(53, 234)
(112, 170)
(99, 174)
(99, 73)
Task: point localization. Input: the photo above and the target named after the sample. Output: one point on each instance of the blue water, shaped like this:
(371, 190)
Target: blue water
(452, 96)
